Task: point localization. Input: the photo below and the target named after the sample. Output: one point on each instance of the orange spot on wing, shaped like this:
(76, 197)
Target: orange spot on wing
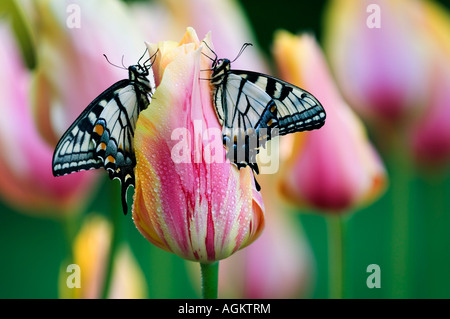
(111, 159)
(99, 129)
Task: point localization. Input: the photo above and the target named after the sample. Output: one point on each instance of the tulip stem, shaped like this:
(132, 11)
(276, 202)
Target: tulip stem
(116, 235)
(335, 257)
(400, 167)
(69, 222)
(210, 276)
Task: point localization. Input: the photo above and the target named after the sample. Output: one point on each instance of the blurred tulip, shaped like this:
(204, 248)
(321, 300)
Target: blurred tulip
(26, 179)
(90, 254)
(196, 207)
(225, 20)
(71, 37)
(378, 56)
(277, 265)
(335, 168)
(431, 136)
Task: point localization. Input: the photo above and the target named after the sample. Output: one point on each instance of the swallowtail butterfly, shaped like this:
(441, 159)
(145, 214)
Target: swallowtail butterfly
(251, 105)
(102, 136)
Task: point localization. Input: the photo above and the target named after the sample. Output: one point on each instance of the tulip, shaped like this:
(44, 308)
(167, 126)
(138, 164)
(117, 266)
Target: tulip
(90, 256)
(188, 200)
(26, 181)
(431, 135)
(334, 168)
(378, 57)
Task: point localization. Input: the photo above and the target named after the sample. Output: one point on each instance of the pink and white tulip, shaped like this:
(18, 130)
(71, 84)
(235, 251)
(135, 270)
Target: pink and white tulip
(186, 203)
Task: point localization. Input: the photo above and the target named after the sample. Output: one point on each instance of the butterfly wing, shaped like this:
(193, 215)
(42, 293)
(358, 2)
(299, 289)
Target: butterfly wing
(102, 136)
(297, 109)
(250, 104)
(75, 150)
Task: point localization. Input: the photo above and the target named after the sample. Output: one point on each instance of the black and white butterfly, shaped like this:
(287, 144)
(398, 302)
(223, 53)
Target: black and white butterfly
(254, 106)
(102, 136)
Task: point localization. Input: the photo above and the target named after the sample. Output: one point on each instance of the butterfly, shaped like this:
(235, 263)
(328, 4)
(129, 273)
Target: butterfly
(252, 108)
(102, 136)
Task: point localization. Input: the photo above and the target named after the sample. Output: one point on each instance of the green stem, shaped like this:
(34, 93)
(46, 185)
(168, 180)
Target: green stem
(400, 172)
(335, 256)
(116, 238)
(69, 223)
(435, 220)
(210, 273)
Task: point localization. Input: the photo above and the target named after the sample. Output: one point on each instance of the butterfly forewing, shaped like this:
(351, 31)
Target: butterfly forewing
(102, 136)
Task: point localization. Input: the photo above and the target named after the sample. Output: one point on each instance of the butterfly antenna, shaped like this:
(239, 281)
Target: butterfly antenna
(117, 66)
(123, 56)
(244, 46)
(215, 55)
(153, 57)
(139, 61)
(208, 57)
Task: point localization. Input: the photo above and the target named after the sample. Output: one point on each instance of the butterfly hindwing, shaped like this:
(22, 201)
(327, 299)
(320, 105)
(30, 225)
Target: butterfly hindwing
(297, 109)
(248, 114)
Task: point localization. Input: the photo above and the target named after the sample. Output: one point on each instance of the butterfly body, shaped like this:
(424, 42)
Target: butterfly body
(102, 136)
(253, 107)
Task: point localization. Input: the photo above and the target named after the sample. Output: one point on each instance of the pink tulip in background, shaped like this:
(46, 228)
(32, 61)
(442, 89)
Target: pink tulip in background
(334, 168)
(71, 69)
(430, 136)
(26, 179)
(378, 57)
(167, 19)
